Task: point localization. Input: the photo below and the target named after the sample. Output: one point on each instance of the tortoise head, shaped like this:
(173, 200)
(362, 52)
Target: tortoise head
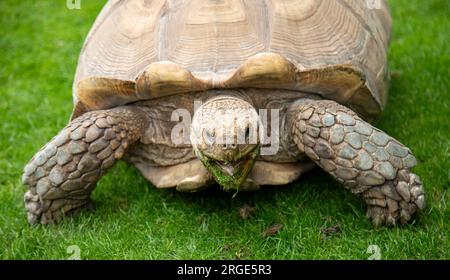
(224, 136)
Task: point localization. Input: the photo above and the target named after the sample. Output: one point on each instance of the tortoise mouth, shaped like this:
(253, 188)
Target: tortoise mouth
(230, 174)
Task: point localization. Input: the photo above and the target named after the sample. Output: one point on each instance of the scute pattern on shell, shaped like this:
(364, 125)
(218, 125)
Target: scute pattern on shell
(334, 48)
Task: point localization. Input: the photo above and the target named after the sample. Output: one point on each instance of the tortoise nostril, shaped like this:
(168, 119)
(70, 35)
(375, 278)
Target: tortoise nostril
(228, 146)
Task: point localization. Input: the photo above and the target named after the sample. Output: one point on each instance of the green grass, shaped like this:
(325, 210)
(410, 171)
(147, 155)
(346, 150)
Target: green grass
(40, 42)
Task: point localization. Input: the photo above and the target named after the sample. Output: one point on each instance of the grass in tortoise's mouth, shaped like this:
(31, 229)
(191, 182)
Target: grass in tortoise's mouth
(230, 175)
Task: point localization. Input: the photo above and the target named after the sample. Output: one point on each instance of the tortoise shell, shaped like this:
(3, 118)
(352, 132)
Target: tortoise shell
(140, 50)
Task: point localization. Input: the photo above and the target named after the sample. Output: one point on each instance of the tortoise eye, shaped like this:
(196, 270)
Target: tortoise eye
(247, 134)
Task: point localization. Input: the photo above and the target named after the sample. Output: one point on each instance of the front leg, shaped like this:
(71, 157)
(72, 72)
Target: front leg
(62, 175)
(365, 159)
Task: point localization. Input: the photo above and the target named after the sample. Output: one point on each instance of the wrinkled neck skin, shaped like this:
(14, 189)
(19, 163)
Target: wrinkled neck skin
(225, 137)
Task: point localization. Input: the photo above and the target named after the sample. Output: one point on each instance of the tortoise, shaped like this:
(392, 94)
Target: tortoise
(183, 90)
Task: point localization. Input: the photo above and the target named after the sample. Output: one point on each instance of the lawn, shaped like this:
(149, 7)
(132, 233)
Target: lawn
(39, 45)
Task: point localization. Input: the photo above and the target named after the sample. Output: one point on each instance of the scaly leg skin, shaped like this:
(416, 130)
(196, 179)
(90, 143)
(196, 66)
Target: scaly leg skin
(64, 172)
(365, 159)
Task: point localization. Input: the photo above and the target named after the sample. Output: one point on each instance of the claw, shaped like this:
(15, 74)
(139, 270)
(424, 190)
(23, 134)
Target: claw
(389, 210)
(420, 202)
